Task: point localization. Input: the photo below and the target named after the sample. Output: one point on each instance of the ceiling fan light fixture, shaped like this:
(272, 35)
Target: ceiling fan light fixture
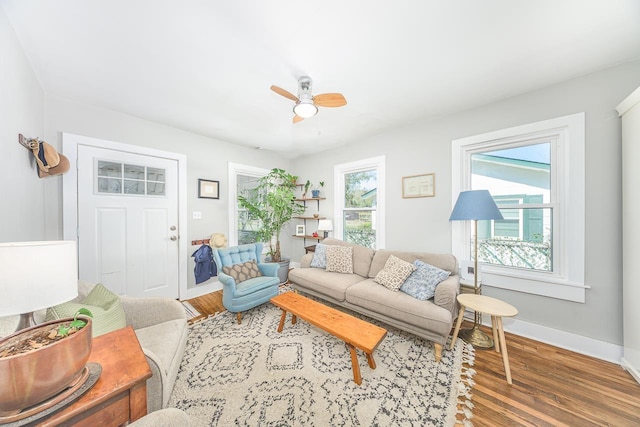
(305, 109)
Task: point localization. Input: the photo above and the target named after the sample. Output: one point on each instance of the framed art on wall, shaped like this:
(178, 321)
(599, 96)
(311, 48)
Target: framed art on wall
(208, 189)
(419, 186)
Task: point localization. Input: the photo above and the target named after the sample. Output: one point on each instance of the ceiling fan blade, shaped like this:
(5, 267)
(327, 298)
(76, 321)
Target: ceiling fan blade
(297, 118)
(330, 100)
(284, 93)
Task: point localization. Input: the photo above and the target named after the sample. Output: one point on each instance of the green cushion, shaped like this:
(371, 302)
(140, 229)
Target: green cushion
(108, 314)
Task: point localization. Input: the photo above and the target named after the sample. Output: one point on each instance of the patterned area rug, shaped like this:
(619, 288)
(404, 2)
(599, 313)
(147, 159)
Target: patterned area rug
(251, 375)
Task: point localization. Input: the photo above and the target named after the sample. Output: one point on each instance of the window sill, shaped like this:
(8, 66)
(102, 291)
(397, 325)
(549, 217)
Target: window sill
(548, 287)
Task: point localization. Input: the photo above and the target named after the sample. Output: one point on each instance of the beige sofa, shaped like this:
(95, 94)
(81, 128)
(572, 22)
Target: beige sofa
(431, 319)
(161, 327)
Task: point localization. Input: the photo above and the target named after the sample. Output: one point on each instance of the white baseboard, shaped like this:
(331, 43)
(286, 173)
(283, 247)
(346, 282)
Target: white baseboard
(632, 370)
(567, 340)
(199, 290)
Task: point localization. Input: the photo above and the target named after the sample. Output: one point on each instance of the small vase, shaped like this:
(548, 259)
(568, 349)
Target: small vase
(315, 193)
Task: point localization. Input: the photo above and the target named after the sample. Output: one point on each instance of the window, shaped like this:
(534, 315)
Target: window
(359, 195)
(535, 174)
(122, 178)
(241, 179)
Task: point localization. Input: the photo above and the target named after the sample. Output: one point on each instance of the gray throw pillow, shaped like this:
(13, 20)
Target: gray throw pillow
(421, 284)
(319, 256)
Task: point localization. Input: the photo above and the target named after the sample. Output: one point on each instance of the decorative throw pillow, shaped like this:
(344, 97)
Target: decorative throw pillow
(340, 259)
(241, 272)
(106, 307)
(394, 273)
(422, 282)
(319, 256)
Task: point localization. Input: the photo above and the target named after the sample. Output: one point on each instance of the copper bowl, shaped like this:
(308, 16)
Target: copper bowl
(31, 378)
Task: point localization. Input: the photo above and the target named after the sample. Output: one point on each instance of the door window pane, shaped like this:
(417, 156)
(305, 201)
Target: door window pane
(122, 178)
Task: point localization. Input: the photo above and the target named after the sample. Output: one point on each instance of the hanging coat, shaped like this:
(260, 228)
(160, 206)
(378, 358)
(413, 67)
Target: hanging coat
(205, 267)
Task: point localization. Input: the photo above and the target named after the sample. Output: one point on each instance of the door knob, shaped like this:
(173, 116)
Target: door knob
(174, 238)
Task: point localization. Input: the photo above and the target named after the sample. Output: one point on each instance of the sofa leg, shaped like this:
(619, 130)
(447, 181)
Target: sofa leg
(438, 348)
(239, 317)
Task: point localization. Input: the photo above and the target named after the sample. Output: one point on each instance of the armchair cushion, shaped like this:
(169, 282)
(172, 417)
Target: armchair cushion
(241, 272)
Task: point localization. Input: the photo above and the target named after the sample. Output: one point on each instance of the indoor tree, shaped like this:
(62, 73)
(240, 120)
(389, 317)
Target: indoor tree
(272, 202)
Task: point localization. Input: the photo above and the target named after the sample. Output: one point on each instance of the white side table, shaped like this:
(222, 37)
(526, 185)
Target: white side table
(497, 310)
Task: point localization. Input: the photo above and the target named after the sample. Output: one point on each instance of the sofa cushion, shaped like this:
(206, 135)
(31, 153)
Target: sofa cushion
(104, 305)
(421, 284)
(340, 259)
(241, 272)
(394, 273)
(397, 305)
(443, 261)
(362, 256)
(332, 285)
(319, 256)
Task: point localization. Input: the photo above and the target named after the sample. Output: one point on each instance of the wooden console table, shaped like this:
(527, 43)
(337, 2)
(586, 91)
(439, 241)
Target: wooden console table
(120, 394)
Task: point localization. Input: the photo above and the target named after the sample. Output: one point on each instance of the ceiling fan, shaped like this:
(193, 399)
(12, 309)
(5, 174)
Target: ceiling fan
(306, 104)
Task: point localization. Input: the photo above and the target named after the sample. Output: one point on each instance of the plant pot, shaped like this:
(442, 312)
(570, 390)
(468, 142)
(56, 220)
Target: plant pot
(315, 193)
(37, 375)
(283, 271)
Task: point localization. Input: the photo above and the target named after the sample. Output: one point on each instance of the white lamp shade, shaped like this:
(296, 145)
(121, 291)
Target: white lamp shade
(325, 225)
(37, 275)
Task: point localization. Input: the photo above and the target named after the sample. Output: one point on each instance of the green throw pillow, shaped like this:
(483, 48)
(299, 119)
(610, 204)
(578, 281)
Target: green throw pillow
(108, 314)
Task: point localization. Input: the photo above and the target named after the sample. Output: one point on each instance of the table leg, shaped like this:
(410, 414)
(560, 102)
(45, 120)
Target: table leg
(503, 345)
(354, 365)
(294, 319)
(372, 363)
(457, 329)
(494, 328)
(282, 318)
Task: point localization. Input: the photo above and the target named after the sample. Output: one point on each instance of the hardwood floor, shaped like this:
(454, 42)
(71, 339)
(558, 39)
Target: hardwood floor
(551, 386)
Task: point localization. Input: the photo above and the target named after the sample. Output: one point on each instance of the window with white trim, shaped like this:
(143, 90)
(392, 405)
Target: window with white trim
(535, 174)
(359, 206)
(242, 178)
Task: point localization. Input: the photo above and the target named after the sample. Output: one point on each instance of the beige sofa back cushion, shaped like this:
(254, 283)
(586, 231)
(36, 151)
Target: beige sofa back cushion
(444, 261)
(361, 256)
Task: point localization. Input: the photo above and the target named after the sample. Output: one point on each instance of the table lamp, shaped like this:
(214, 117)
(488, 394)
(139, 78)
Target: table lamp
(36, 275)
(325, 225)
(475, 205)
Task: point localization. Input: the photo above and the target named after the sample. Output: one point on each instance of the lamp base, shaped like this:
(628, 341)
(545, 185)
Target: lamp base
(477, 338)
(26, 321)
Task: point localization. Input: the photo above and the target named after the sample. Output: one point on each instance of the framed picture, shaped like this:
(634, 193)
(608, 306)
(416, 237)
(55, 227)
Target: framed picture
(300, 230)
(419, 186)
(208, 189)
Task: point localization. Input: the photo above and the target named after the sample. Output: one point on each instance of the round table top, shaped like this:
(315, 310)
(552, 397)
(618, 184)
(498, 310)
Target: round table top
(487, 305)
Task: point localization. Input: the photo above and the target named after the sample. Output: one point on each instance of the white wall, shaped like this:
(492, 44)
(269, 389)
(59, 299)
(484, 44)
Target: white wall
(422, 224)
(206, 158)
(21, 111)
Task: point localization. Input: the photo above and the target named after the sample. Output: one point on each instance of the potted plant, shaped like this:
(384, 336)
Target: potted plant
(315, 192)
(43, 360)
(306, 189)
(272, 202)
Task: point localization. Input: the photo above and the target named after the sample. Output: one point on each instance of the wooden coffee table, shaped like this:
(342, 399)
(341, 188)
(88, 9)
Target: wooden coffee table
(356, 333)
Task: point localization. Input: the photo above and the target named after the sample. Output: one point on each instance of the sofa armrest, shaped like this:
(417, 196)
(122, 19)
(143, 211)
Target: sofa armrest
(305, 262)
(269, 268)
(446, 294)
(144, 312)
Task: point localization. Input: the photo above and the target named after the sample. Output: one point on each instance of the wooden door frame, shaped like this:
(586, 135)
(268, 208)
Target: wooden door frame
(70, 143)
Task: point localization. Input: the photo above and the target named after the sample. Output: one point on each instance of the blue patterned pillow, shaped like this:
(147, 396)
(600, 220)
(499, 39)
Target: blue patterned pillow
(320, 256)
(421, 284)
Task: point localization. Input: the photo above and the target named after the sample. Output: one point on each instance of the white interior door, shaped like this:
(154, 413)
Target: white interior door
(128, 221)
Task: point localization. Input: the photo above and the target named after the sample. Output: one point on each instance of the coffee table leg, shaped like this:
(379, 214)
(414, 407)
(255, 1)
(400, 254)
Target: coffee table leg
(354, 365)
(294, 319)
(282, 318)
(372, 363)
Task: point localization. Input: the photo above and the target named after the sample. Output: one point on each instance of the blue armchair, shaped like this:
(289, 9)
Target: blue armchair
(239, 297)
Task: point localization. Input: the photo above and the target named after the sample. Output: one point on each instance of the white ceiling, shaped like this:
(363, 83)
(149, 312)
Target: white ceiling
(206, 66)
